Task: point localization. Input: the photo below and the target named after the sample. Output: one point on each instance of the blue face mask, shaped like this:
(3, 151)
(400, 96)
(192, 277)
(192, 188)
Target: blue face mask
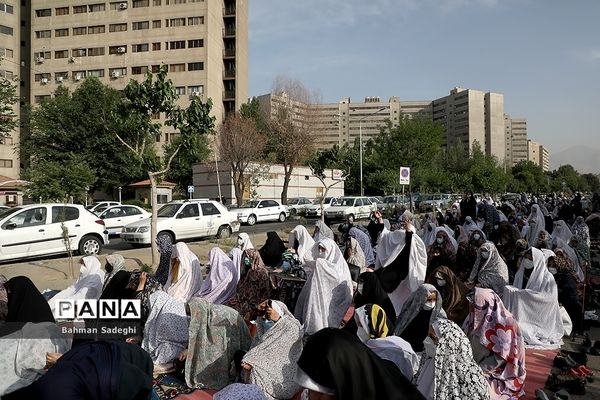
(247, 262)
(267, 324)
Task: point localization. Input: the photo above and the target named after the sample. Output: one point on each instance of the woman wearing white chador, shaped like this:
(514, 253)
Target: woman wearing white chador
(88, 285)
(533, 301)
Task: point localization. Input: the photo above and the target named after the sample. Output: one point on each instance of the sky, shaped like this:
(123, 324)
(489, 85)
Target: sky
(543, 55)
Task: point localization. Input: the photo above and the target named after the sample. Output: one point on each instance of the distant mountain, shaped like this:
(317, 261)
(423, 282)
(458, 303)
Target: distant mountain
(584, 159)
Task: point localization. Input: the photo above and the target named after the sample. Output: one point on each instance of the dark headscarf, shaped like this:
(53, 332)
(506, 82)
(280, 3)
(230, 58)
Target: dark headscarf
(25, 304)
(165, 247)
(117, 287)
(454, 294)
(272, 249)
(152, 285)
(254, 286)
(373, 293)
(338, 360)
(94, 371)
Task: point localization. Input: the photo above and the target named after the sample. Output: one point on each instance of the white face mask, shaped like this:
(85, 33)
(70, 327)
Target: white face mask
(363, 335)
(359, 287)
(485, 255)
(476, 236)
(441, 282)
(240, 241)
(439, 240)
(552, 270)
(429, 347)
(430, 305)
(527, 263)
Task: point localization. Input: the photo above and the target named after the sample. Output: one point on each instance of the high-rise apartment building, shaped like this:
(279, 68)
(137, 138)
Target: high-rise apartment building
(203, 43)
(343, 122)
(470, 116)
(539, 154)
(516, 140)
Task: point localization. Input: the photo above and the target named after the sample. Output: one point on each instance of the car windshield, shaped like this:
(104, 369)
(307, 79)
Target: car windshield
(389, 200)
(250, 204)
(92, 205)
(8, 211)
(347, 202)
(317, 202)
(293, 201)
(168, 210)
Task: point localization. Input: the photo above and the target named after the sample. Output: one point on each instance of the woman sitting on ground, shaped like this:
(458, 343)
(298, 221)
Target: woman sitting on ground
(490, 270)
(453, 291)
(185, 275)
(272, 250)
(88, 285)
(254, 286)
(220, 284)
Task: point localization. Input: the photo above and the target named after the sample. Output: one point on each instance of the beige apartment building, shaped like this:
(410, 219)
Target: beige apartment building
(470, 116)
(516, 140)
(203, 43)
(538, 154)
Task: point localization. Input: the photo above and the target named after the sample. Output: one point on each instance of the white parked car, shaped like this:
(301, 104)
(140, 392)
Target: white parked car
(314, 210)
(100, 206)
(37, 229)
(298, 204)
(350, 209)
(116, 217)
(185, 219)
(255, 211)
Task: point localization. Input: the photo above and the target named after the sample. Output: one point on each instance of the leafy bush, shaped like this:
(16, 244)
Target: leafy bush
(139, 203)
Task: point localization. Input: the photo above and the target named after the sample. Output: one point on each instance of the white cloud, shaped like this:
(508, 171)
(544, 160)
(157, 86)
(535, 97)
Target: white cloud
(595, 54)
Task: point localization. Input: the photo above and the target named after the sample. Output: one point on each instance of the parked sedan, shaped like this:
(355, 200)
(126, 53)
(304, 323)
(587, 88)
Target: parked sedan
(116, 217)
(350, 209)
(314, 210)
(255, 211)
(298, 204)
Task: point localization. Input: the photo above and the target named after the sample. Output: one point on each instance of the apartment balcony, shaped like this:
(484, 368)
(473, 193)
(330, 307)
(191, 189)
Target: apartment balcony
(229, 31)
(228, 95)
(229, 74)
(228, 11)
(229, 53)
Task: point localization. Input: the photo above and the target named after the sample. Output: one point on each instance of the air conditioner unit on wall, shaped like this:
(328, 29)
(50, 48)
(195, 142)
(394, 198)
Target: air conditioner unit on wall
(123, 6)
(44, 81)
(39, 60)
(77, 77)
(59, 79)
(115, 74)
(121, 50)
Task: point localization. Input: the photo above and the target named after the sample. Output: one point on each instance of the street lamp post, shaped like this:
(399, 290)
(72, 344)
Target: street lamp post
(120, 189)
(360, 152)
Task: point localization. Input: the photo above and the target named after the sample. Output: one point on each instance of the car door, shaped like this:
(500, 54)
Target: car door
(211, 218)
(132, 214)
(114, 220)
(264, 211)
(24, 234)
(69, 217)
(187, 222)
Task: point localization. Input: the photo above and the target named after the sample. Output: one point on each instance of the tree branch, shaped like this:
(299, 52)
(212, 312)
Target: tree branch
(168, 166)
(126, 144)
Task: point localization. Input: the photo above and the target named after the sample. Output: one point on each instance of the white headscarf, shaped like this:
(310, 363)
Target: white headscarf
(189, 280)
(358, 256)
(87, 286)
(562, 232)
(244, 242)
(429, 234)
(327, 293)
(305, 243)
(397, 350)
(323, 232)
(470, 225)
(236, 256)
(220, 284)
(536, 224)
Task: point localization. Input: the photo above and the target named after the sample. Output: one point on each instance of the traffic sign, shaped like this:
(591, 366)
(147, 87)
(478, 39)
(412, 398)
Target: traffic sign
(190, 189)
(404, 176)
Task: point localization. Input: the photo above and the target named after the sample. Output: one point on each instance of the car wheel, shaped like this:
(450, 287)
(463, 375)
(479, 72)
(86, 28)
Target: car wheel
(166, 236)
(351, 218)
(252, 220)
(282, 217)
(89, 245)
(293, 211)
(224, 232)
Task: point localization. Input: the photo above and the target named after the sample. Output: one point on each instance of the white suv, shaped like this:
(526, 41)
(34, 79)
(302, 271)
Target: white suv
(185, 219)
(350, 209)
(255, 211)
(37, 229)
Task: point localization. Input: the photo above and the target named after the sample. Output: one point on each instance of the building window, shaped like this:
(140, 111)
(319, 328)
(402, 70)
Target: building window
(7, 8)
(61, 11)
(97, 7)
(61, 54)
(173, 22)
(79, 75)
(7, 74)
(96, 29)
(40, 34)
(117, 27)
(177, 68)
(177, 44)
(195, 43)
(156, 2)
(96, 51)
(79, 9)
(41, 77)
(136, 26)
(6, 163)
(46, 55)
(156, 46)
(78, 52)
(60, 76)
(180, 90)
(6, 140)
(155, 69)
(40, 99)
(6, 52)
(117, 5)
(46, 12)
(199, 89)
(195, 20)
(156, 23)
(117, 49)
(61, 32)
(139, 70)
(139, 48)
(155, 115)
(141, 3)
(117, 72)
(80, 31)
(98, 73)
(175, 2)
(195, 66)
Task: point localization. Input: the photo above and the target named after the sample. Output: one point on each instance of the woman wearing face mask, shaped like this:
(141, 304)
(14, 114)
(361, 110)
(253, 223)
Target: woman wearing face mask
(376, 331)
(544, 241)
(254, 286)
(562, 232)
(536, 224)
(533, 301)
(221, 282)
(453, 293)
(497, 344)
(448, 370)
(442, 251)
(302, 243)
(419, 312)
(322, 231)
(243, 242)
(327, 293)
(88, 285)
(114, 264)
(490, 270)
(271, 363)
(566, 279)
(185, 278)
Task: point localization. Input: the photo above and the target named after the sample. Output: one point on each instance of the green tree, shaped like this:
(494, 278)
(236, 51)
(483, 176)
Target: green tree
(528, 177)
(486, 173)
(566, 178)
(253, 111)
(156, 94)
(593, 183)
(8, 101)
(57, 181)
(82, 122)
(181, 166)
